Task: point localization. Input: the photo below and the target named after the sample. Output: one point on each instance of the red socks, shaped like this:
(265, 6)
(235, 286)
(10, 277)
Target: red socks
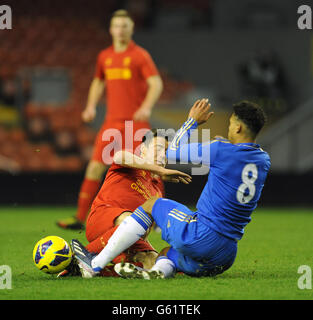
(87, 194)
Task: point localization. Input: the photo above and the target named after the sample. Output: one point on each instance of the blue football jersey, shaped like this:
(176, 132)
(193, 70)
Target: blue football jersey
(235, 180)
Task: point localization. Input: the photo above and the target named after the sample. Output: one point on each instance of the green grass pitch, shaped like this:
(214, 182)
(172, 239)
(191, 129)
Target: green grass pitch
(275, 244)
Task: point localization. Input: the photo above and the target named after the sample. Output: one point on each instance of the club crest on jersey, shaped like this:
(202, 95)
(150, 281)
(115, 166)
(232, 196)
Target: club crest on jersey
(126, 61)
(108, 61)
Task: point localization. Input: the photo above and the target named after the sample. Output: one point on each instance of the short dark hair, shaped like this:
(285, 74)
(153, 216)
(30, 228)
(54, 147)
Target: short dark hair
(148, 137)
(251, 114)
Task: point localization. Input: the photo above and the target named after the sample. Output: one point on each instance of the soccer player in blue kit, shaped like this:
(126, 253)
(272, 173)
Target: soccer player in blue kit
(204, 242)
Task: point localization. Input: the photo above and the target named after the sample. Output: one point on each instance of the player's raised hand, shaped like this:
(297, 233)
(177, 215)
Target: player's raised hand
(200, 111)
(175, 176)
(88, 114)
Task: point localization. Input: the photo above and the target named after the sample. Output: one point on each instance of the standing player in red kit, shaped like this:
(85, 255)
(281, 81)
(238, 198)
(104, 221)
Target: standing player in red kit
(130, 181)
(133, 86)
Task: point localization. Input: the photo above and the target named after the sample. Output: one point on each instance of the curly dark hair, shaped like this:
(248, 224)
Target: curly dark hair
(251, 114)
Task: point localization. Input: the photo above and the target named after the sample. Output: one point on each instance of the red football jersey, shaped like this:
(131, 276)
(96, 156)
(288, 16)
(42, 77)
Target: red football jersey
(127, 188)
(125, 74)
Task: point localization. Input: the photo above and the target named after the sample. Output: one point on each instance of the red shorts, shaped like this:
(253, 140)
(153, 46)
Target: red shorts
(116, 135)
(101, 220)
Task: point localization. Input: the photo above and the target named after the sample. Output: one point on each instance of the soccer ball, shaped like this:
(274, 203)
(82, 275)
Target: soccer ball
(52, 254)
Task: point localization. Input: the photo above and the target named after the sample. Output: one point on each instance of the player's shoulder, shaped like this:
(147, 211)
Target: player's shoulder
(105, 51)
(220, 139)
(220, 142)
(140, 51)
(115, 167)
(262, 152)
(266, 156)
(259, 154)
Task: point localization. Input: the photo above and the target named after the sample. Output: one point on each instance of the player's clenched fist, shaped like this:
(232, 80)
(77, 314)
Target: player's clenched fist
(142, 114)
(88, 115)
(200, 111)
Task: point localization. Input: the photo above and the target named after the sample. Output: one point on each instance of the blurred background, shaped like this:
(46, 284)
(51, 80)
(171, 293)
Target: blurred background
(221, 49)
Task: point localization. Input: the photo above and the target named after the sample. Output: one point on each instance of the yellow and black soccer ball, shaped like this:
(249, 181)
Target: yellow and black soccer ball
(52, 254)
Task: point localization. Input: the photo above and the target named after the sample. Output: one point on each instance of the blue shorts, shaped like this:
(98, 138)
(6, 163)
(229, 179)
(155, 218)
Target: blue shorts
(196, 249)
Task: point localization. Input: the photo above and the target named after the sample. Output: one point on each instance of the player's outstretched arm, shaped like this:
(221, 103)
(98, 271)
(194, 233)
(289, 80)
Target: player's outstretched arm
(128, 159)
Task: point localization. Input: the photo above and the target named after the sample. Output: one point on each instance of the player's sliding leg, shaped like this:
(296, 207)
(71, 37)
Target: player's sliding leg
(99, 231)
(131, 230)
(141, 252)
(83, 258)
(141, 260)
(124, 236)
(89, 189)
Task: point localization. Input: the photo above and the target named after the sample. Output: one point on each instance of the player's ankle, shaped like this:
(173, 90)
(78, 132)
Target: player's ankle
(164, 266)
(95, 266)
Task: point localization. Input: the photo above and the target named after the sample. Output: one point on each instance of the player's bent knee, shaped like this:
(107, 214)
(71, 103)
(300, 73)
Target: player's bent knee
(121, 217)
(95, 170)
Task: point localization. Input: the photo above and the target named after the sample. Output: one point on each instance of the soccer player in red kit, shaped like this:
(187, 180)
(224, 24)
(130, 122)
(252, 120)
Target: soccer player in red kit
(130, 181)
(133, 86)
